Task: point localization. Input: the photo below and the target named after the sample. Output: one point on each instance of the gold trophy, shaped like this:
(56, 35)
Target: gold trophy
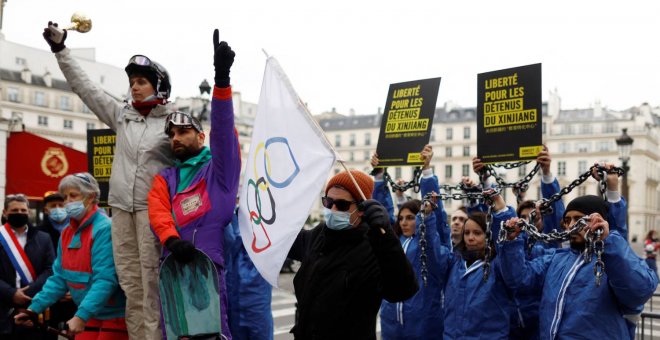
(79, 22)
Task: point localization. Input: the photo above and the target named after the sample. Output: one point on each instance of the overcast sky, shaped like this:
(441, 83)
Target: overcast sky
(344, 54)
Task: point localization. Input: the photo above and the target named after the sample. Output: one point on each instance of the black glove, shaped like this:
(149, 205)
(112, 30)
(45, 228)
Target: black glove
(183, 250)
(375, 215)
(54, 38)
(223, 58)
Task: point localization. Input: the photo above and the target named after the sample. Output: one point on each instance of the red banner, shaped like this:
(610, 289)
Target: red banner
(36, 165)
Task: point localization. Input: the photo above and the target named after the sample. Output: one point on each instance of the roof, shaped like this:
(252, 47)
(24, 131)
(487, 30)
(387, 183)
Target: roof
(15, 76)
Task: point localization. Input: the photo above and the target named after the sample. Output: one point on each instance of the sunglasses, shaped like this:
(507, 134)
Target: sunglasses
(342, 205)
(181, 119)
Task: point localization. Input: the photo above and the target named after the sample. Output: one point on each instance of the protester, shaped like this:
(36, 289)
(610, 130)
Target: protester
(458, 219)
(56, 219)
(26, 257)
(191, 204)
(572, 304)
(651, 246)
(249, 294)
(141, 151)
(475, 306)
(84, 267)
(349, 263)
(421, 316)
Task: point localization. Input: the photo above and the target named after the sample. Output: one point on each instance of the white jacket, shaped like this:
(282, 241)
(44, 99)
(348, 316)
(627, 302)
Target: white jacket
(142, 148)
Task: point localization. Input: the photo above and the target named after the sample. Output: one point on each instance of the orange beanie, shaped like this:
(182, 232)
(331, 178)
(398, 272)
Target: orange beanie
(342, 179)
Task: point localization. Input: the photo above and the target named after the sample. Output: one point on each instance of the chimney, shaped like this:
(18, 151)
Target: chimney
(48, 79)
(598, 109)
(26, 75)
(351, 112)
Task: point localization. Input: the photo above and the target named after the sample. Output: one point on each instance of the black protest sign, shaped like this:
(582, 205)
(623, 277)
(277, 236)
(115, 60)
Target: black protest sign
(100, 153)
(407, 121)
(509, 114)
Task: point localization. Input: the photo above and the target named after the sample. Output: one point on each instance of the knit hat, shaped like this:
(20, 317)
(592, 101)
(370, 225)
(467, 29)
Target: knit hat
(51, 196)
(343, 180)
(588, 205)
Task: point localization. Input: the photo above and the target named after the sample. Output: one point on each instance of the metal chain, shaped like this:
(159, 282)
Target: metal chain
(490, 202)
(595, 243)
(414, 183)
(520, 186)
(511, 165)
(545, 206)
(428, 199)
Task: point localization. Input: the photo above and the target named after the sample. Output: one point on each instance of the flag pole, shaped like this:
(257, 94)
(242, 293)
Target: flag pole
(352, 179)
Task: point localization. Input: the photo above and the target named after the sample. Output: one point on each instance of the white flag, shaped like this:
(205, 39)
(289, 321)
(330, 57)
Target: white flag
(289, 161)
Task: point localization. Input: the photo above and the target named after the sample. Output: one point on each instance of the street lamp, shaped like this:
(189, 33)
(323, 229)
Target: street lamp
(204, 87)
(624, 143)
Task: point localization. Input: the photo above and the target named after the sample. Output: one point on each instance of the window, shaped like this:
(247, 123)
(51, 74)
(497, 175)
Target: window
(582, 190)
(85, 109)
(586, 129)
(68, 124)
(20, 61)
(522, 170)
(42, 121)
(448, 151)
(65, 103)
(561, 168)
(450, 133)
(543, 128)
(583, 147)
(466, 132)
(603, 146)
(68, 144)
(397, 172)
(337, 140)
(432, 139)
(92, 126)
(465, 170)
(367, 138)
(609, 128)
(39, 98)
(336, 171)
(367, 156)
(567, 129)
(447, 171)
(102, 80)
(582, 166)
(564, 147)
(12, 94)
(466, 151)
(351, 139)
(351, 156)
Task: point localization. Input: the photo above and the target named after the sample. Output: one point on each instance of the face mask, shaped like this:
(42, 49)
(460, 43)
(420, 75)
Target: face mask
(75, 209)
(17, 220)
(337, 220)
(58, 214)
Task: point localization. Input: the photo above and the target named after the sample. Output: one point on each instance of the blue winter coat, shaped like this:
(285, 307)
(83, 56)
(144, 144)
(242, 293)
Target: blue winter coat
(248, 294)
(572, 306)
(475, 309)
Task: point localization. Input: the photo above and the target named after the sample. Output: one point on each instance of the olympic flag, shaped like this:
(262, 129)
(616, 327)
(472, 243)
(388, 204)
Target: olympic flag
(289, 161)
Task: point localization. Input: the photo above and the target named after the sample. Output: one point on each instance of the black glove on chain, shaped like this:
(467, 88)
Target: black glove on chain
(223, 58)
(183, 250)
(49, 36)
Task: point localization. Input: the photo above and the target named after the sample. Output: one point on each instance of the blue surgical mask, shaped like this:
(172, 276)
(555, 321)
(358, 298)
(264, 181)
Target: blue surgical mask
(58, 215)
(337, 220)
(76, 210)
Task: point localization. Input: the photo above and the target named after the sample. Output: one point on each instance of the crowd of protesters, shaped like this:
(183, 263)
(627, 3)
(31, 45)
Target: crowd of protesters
(477, 273)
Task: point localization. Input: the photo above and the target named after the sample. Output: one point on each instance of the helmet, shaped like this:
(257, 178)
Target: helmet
(182, 119)
(153, 71)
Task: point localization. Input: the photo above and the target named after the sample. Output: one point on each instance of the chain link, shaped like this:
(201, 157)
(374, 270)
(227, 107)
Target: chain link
(428, 200)
(414, 183)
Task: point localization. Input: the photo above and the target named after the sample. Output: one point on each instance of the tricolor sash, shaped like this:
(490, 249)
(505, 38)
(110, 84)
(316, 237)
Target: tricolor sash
(17, 255)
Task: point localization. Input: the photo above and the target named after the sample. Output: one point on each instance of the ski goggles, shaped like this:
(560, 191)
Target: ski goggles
(342, 205)
(181, 119)
(140, 60)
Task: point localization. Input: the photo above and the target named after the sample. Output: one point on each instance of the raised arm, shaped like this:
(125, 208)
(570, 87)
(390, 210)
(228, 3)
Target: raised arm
(104, 106)
(224, 138)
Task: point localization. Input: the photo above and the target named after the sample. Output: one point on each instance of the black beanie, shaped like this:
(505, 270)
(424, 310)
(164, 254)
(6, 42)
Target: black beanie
(588, 205)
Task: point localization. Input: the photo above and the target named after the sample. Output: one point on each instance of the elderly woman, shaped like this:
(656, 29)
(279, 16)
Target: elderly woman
(84, 266)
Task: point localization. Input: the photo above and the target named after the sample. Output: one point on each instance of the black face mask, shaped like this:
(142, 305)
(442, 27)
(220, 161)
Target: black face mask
(17, 220)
